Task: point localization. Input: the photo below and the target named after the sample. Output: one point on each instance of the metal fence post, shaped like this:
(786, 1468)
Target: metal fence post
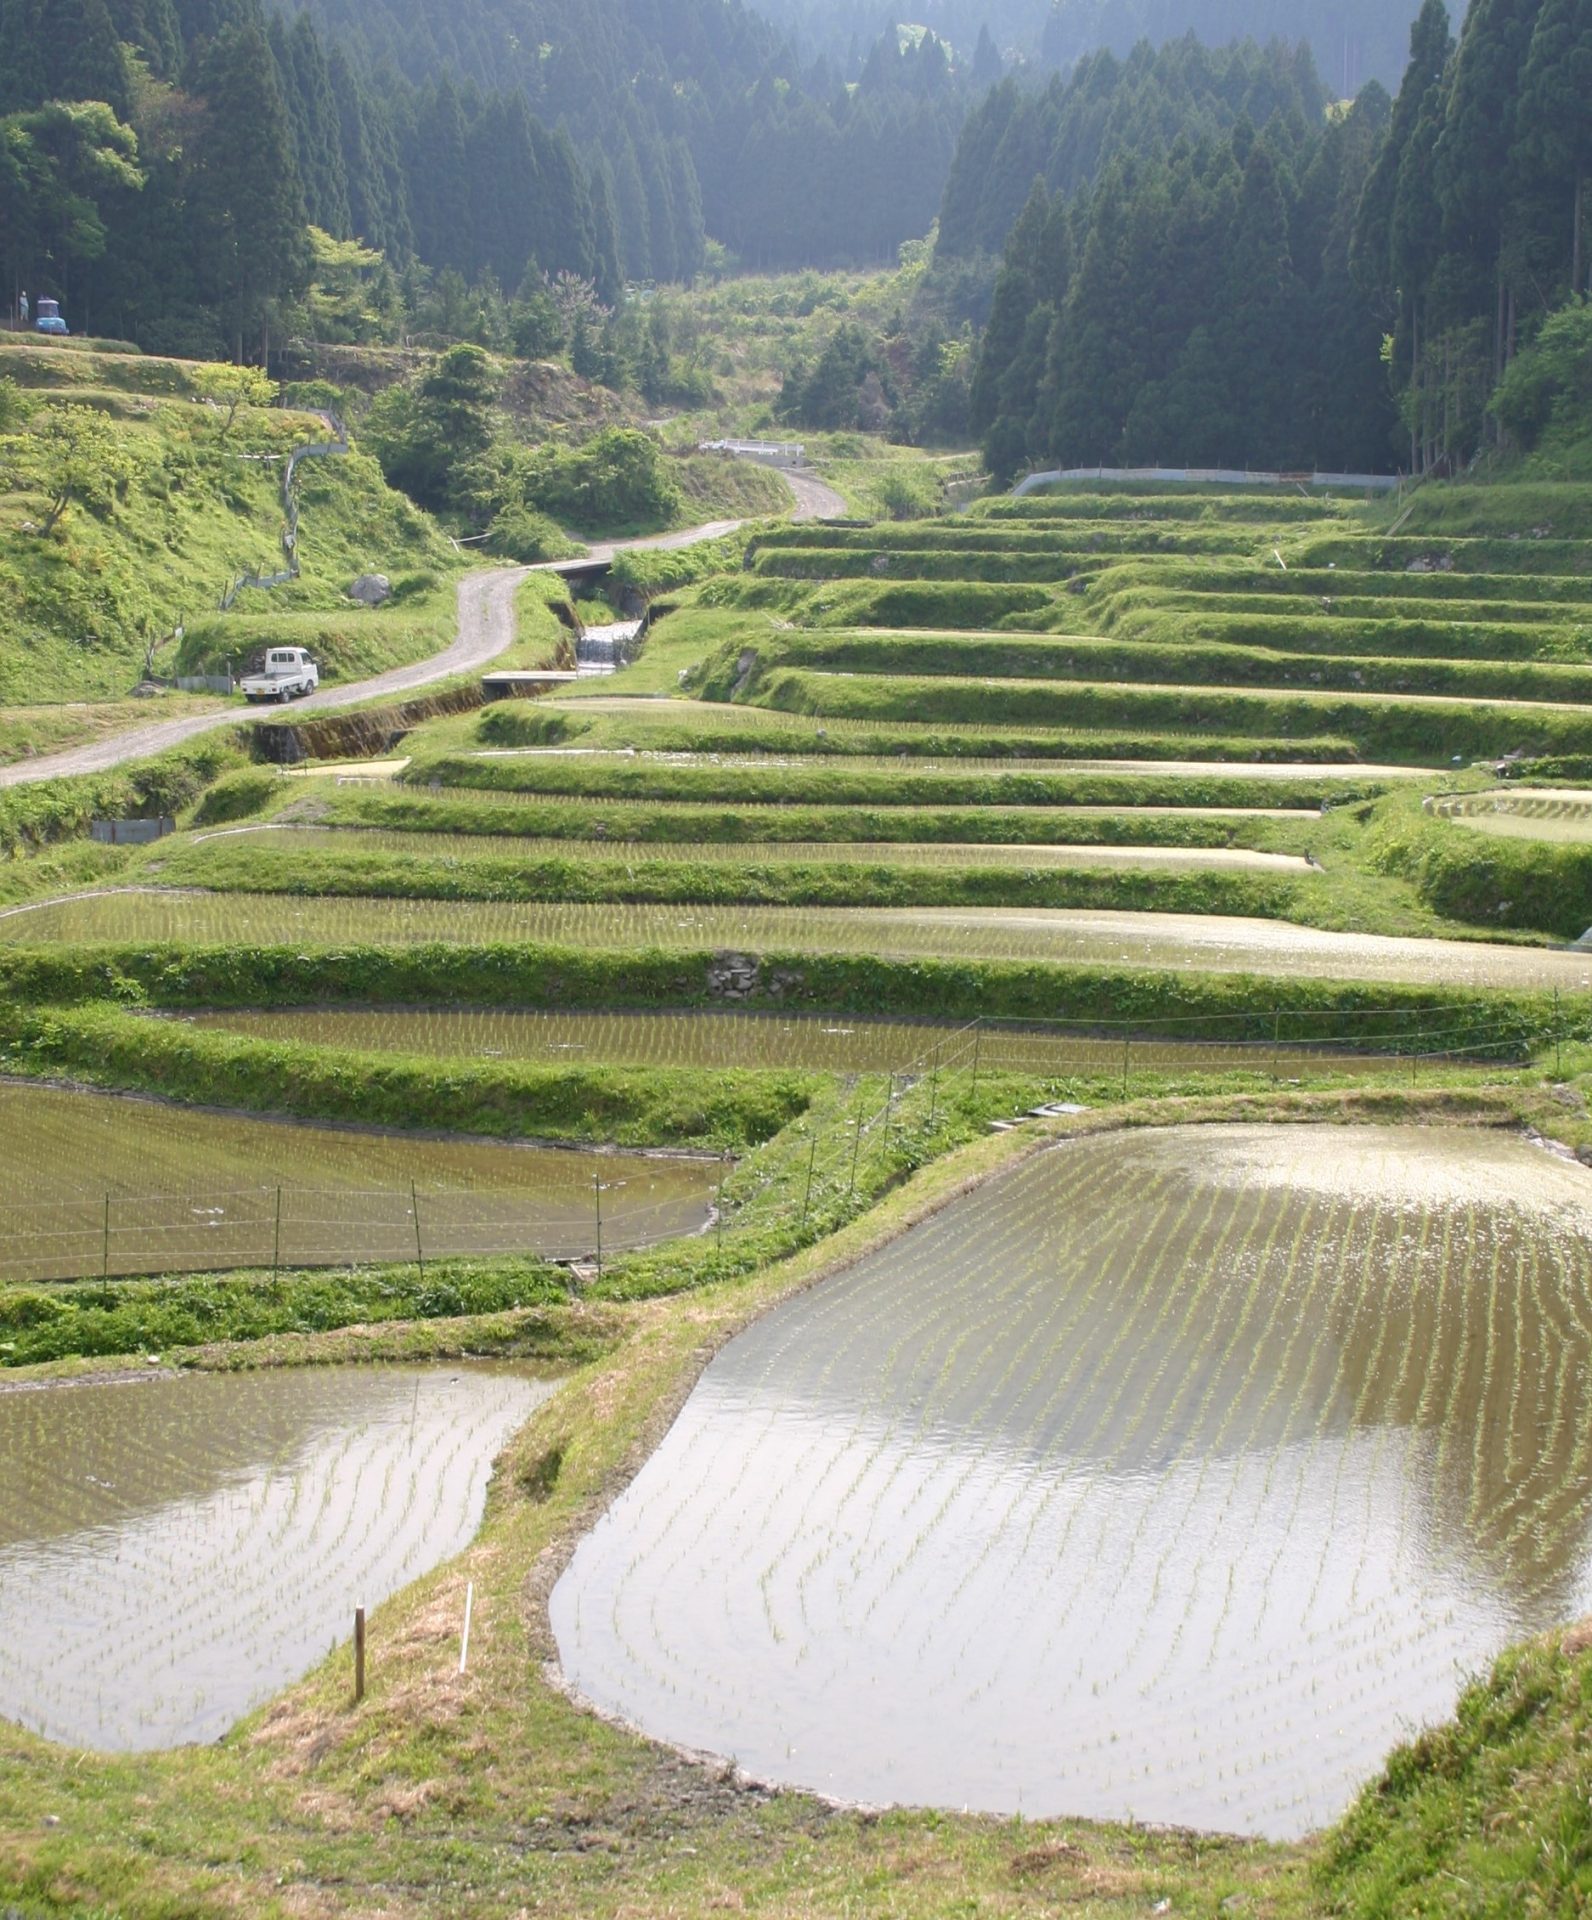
(856, 1152)
(420, 1257)
(105, 1263)
(807, 1197)
(597, 1192)
(978, 1037)
(276, 1244)
(1127, 1047)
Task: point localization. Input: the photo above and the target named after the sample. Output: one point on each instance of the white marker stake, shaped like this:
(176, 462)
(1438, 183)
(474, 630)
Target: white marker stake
(469, 1605)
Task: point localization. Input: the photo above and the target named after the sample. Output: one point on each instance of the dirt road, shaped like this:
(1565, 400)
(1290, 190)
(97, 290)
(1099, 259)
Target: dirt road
(486, 629)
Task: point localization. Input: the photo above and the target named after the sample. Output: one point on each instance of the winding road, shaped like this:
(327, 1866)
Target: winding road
(485, 630)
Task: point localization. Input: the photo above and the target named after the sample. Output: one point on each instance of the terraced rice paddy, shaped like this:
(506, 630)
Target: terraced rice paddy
(826, 1042)
(461, 848)
(830, 765)
(1171, 1476)
(1063, 936)
(95, 1183)
(174, 1550)
(1523, 813)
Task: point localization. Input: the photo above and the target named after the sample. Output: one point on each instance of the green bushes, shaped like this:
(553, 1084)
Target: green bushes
(239, 796)
(143, 1316)
(1490, 880)
(46, 811)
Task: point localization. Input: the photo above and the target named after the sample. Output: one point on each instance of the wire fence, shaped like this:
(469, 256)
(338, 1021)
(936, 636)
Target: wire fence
(271, 1227)
(119, 1235)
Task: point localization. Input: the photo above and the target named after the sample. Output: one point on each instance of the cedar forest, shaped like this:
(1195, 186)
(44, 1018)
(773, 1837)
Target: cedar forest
(1205, 254)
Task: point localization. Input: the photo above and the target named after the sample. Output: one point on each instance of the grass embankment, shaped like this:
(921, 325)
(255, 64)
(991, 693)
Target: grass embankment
(182, 496)
(107, 1046)
(664, 823)
(490, 1792)
(1206, 1005)
(627, 876)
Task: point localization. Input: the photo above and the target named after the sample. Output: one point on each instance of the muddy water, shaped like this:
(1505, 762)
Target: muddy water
(1174, 1476)
(91, 1183)
(174, 1551)
(1074, 936)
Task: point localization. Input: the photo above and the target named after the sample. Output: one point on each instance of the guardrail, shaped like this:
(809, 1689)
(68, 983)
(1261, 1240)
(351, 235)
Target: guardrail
(1212, 477)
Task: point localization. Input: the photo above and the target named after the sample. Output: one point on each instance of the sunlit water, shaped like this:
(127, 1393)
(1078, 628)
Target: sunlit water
(175, 1551)
(1172, 1476)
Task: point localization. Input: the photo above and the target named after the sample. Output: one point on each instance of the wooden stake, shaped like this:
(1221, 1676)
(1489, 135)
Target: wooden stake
(359, 1655)
(469, 1607)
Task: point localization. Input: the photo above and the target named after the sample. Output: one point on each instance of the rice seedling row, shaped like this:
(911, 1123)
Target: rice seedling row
(236, 854)
(96, 1184)
(175, 1550)
(1217, 943)
(1166, 1476)
(1297, 1043)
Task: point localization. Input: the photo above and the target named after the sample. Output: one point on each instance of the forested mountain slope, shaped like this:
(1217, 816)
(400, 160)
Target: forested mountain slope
(698, 116)
(1353, 41)
(1214, 267)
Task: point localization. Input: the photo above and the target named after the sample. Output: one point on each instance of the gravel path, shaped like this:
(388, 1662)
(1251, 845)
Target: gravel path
(486, 629)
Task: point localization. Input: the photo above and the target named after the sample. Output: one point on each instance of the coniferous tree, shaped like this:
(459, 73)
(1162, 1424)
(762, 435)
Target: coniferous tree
(1555, 117)
(246, 198)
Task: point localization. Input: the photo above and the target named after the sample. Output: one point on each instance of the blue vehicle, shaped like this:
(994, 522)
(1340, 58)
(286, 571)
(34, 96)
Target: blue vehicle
(48, 318)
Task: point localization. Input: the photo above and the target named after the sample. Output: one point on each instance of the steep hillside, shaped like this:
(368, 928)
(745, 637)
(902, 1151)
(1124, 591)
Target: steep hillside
(135, 493)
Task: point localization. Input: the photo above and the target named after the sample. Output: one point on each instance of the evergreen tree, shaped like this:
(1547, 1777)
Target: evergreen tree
(1555, 117)
(249, 210)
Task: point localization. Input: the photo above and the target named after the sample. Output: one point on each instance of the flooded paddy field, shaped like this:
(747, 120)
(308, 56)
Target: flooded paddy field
(1524, 813)
(1315, 770)
(1076, 936)
(95, 1183)
(464, 847)
(1171, 1475)
(175, 1550)
(824, 1042)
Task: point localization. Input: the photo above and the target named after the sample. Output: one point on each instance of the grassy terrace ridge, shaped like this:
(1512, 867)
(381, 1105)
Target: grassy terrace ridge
(1254, 656)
